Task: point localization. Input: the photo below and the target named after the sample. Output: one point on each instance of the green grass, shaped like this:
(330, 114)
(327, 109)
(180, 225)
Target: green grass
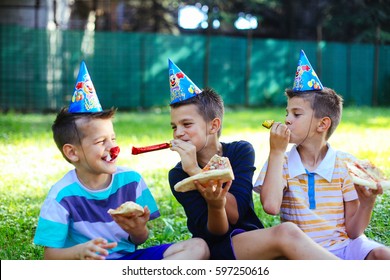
(30, 164)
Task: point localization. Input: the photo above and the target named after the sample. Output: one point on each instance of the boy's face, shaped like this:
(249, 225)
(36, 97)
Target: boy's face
(188, 125)
(300, 119)
(98, 139)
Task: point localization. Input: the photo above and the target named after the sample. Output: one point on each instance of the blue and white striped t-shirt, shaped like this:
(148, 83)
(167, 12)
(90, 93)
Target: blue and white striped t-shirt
(73, 214)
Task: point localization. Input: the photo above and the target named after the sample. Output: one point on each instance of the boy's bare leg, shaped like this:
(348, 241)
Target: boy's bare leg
(191, 249)
(282, 241)
(380, 253)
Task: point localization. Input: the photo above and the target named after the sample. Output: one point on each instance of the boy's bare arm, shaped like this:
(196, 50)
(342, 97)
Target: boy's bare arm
(358, 212)
(231, 208)
(271, 192)
(96, 249)
(215, 196)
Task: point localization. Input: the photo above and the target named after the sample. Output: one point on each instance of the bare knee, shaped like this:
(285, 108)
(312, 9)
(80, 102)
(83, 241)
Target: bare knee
(191, 249)
(379, 253)
(288, 231)
(199, 248)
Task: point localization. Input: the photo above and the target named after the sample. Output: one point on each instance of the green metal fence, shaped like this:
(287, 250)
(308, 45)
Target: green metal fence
(38, 68)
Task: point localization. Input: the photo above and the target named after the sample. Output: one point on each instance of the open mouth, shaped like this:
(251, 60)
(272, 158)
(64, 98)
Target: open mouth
(114, 152)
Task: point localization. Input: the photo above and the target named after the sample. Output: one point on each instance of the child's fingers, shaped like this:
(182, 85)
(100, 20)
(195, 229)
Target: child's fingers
(363, 190)
(198, 185)
(94, 257)
(99, 240)
(227, 186)
(99, 251)
(379, 189)
(275, 126)
(110, 245)
(93, 250)
(146, 211)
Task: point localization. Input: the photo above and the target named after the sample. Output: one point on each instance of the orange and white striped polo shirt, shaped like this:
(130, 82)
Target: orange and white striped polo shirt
(315, 201)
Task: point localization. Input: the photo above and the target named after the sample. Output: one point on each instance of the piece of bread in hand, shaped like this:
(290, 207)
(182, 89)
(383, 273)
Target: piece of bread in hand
(365, 173)
(218, 168)
(127, 209)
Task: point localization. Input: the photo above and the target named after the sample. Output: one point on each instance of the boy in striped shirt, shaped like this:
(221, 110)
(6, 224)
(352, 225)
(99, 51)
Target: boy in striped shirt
(310, 184)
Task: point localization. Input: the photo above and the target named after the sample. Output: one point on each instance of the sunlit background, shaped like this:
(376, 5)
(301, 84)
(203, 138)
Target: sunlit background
(196, 16)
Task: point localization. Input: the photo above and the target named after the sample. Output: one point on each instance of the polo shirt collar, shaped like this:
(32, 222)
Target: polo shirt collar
(325, 169)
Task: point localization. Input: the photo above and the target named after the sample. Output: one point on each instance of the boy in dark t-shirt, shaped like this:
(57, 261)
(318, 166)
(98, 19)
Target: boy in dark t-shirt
(223, 214)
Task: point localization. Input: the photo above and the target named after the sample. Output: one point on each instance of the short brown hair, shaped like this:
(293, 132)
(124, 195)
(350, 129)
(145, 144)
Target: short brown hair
(65, 130)
(325, 103)
(209, 105)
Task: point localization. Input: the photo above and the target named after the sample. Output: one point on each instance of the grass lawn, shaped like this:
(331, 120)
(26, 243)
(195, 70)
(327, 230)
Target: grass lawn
(30, 164)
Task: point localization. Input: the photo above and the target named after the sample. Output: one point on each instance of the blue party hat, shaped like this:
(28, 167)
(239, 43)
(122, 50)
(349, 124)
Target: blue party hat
(181, 86)
(84, 99)
(306, 78)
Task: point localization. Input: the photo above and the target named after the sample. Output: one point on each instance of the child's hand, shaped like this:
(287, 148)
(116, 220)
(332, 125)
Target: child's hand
(279, 137)
(134, 225)
(368, 196)
(214, 193)
(216, 197)
(187, 152)
(95, 249)
(132, 222)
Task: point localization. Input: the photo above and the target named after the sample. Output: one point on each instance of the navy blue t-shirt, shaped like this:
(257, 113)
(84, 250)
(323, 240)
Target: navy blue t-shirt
(242, 157)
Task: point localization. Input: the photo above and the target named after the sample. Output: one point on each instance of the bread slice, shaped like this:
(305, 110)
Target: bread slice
(218, 168)
(127, 209)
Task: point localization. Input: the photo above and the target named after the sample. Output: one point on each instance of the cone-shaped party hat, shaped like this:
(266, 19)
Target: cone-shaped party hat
(306, 78)
(84, 99)
(181, 86)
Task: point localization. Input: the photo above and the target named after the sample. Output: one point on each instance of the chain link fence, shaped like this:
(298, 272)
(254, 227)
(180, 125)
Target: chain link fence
(39, 63)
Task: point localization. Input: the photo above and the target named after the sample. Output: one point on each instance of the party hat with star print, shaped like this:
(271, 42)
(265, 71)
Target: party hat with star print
(181, 87)
(306, 78)
(84, 99)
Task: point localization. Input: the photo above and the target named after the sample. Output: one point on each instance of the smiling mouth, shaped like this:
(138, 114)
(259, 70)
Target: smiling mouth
(114, 152)
(108, 158)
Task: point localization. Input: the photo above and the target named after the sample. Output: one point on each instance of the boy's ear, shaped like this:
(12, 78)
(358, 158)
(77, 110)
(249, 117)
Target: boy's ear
(71, 152)
(215, 125)
(324, 124)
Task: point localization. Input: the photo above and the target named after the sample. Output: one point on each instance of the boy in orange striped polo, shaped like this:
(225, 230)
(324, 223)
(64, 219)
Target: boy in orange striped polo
(310, 184)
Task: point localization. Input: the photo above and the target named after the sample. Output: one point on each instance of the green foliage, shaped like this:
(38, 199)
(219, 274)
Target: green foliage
(31, 164)
(378, 229)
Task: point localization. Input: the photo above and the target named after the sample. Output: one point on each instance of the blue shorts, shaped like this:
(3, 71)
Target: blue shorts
(151, 253)
(224, 250)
